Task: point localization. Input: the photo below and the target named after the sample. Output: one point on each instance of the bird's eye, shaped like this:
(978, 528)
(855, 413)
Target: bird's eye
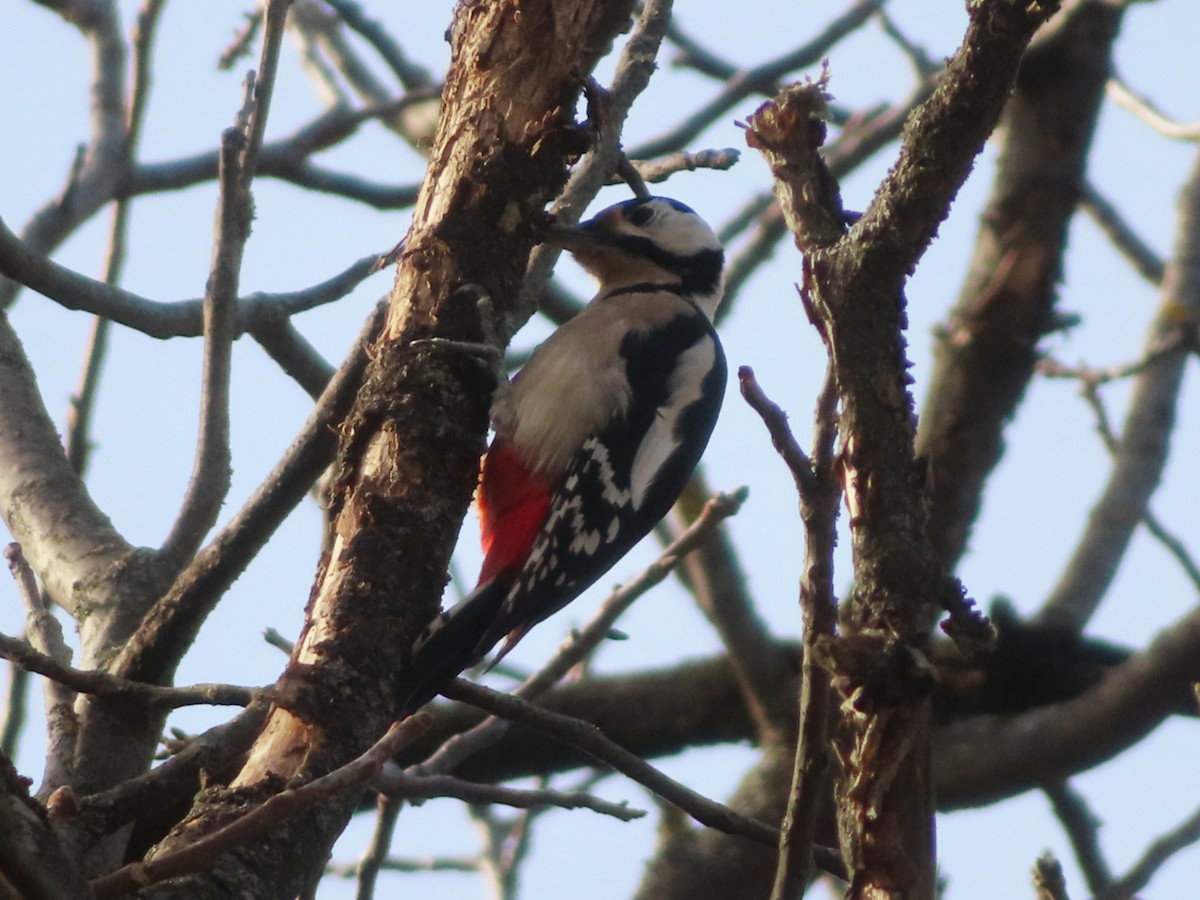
(640, 215)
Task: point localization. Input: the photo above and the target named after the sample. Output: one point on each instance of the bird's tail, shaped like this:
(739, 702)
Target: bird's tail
(453, 642)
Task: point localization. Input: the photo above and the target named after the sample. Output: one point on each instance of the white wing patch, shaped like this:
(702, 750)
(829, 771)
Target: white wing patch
(567, 529)
(662, 439)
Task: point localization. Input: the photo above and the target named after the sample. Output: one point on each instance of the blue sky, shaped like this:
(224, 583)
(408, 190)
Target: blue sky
(146, 418)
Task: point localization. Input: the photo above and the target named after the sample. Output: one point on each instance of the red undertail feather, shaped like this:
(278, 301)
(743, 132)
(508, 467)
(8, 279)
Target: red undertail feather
(513, 504)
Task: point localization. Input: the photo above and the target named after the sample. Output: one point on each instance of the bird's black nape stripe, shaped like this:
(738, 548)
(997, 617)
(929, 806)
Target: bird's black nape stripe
(699, 273)
(650, 287)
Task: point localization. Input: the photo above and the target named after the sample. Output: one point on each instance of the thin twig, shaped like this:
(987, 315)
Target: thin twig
(411, 75)
(78, 444)
(762, 79)
(1129, 243)
(323, 37)
(298, 358)
(782, 438)
(1092, 377)
(591, 740)
(423, 787)
(465, 864)
(1083, 831)
(211, 473)
(1147, 111)
(1144, 449)
(287, 159)
(1158, 531)
(200, 854)
(181, 318)
(634, 69)
(581, 643)
(96, 172)
(658, 170)
(376, 853)
(819, 491)
(278, 641)
(46, 642)
(922, 63)
(243, 41)
(105, 685)
(1157, 854)
(714, 577)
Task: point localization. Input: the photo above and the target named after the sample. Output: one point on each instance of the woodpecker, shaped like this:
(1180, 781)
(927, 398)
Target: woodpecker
(595, 437)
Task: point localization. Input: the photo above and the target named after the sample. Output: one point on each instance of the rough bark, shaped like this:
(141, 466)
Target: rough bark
(410, 447)
(853, 285)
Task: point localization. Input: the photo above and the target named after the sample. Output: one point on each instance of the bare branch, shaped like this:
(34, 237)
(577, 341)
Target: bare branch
(287, 159)
(1156, 855)
(1130, 244)
(183, 318)
(858, 141)
(101, 163)
(762, 79)
(177, 779)
(1146, 110)
(657, 170)
(242, 44)
(987, 349)
(634, 68)
(819, 491)
(375, 856)
(211, 470)
(577, 647)
(776, 421)
(423, 787)
(321, 33)
(714, 576)
(854, 295)
(1082, 828)
(412, 75)
(463, 864)
(200, 854)
(990, 756)
(171, 625)
(588, 738)
(1145, 436)
(46, 640)
(1091, 379)
(66, 538)
(296, 356)
(103, 684)
(77, 443)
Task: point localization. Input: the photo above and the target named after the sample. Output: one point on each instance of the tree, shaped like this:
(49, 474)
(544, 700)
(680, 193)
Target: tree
(894, 714)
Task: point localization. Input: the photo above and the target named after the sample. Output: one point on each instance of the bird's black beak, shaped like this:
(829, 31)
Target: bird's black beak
(573, 237)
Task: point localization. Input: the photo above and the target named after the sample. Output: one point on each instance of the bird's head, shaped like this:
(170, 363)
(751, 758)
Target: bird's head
(649, 241)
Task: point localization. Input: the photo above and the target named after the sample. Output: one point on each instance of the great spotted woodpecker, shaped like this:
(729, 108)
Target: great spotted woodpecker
(595, 437)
